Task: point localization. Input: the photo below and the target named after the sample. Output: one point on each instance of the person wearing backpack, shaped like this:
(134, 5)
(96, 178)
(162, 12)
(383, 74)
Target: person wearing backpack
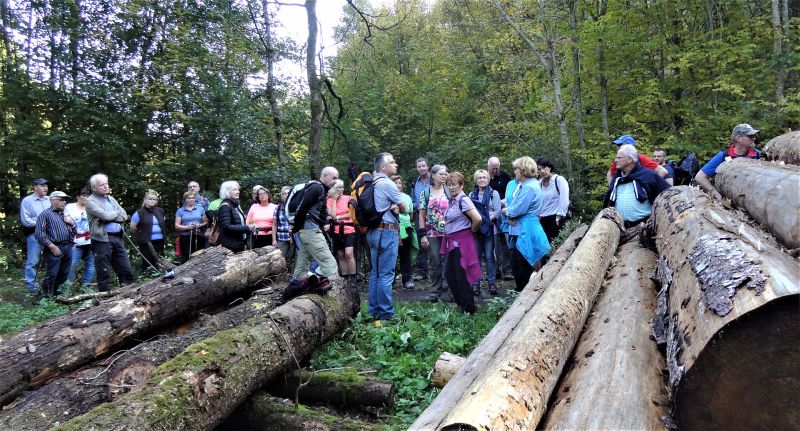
(555, 199)
(309, 222)
(430, 229)
(384, 238)
(743, 141)
(487, 203)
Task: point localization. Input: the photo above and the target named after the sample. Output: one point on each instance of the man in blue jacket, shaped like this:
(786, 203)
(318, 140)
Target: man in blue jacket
(633, 189)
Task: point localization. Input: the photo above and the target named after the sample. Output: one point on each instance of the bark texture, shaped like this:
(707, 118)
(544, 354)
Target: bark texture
(615, 380)
(784, 148)
(346, 389)
(203, 385)
(768, 191)
(446, 366)
(74, 394)
(64, 343)
(730, 320)
(482, 355)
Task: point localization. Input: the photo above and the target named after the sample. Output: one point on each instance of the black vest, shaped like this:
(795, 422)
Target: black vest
(144, 229)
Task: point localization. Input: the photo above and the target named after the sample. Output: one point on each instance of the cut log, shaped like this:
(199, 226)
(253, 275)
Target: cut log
(264, 412)
(64, 343)
(203, 385)
(483, 353)
(74, 394)
(445, 368)
(733, 342)
(346, 389)
(615, 379)
(784, 148)
(512, 390)
(768, 191)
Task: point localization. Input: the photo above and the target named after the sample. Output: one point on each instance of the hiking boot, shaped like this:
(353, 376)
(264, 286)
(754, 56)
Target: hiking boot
(409, 285)
(434, 297)
(492, 289)
(420, 277)
(321, 287)
(476, 289)
(508, 276)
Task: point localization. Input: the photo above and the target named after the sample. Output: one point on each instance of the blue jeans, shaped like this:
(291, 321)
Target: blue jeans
(57, 269)
(34, 252)
(383, 250)
(79, 253)
(484, 244)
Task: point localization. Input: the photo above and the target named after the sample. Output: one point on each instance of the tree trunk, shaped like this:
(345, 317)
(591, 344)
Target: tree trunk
(272, 97)
(577, 90)
(127, 371)
(315, 92)
(64, 343)
(778, 34)
(482, 355)
(784, 148)
(337, 388)
(602, 78)
(768, 191)
(445, 368)
(732, 352)
(614, 379)
(264, 412)
(203, 385)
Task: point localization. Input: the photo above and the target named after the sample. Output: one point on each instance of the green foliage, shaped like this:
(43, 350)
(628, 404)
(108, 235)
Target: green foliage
(15, 317)
(405, 349)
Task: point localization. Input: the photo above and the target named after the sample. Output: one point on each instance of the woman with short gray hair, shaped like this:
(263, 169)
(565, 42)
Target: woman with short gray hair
(232, 228)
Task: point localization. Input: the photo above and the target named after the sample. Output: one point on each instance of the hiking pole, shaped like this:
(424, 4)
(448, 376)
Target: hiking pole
(165, 275)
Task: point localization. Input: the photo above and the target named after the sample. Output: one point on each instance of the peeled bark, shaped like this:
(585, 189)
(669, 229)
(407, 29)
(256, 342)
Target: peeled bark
(64, 343)
(768, 191)
(127, 371)
(732, 338)
(446, 366)
(615, 379)
(482, 355)
(346, 389)
(210, 379)
(784, 148)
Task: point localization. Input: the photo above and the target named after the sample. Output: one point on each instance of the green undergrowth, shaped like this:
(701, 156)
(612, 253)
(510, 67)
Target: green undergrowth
(15, 317)
(405, 349)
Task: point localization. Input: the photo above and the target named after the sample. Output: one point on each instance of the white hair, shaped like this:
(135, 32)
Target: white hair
(629, 150)
(492, 160)
(336, 185)
(328, 170)
(94, 180)
(225, 189)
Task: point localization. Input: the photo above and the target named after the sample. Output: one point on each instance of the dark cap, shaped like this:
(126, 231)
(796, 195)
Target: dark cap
(39, 181)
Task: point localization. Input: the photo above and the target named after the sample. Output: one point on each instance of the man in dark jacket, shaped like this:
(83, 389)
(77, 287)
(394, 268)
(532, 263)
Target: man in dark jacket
(633, 188)
(311, 216)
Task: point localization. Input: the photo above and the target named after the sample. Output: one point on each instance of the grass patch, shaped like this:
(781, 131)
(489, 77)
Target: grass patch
(405, 349)
(15, 317)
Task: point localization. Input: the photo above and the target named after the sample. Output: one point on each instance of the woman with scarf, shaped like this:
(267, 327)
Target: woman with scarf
(528, 241)
(149, 230)
(432, 205)
(462, 267)
(190, 221)
(342, 231)
(487, 202)
(232, 228)
(261, 218)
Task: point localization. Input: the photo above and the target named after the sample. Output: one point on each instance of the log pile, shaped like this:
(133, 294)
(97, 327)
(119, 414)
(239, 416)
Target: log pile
(784, 148)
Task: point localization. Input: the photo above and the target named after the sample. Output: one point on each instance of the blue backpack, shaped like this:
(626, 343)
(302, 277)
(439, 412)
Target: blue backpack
(483, 209)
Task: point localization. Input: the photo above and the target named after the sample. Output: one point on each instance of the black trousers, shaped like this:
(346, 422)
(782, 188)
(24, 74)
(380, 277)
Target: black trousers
(457, 281)
(550, 226)
(522, 269)
(111, 255)
(262, 241)
(57, 269)
(148, 258)
(190, 244)
(404, 254)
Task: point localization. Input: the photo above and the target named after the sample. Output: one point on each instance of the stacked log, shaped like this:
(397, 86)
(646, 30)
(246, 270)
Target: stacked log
(512, 389)
(346, 389)
(210, 379)
(784, 148)
(614, 380)
(769, 192)
(64, 343)
(729, 309)
(488, 348)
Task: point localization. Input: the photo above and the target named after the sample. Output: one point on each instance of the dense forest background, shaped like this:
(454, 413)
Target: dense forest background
(156, 93)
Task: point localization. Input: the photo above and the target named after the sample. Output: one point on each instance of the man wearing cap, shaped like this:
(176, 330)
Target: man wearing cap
(645, 161)
(105, 227)
(633, 189)
(743, 140)
(30, 208)
(54, 232)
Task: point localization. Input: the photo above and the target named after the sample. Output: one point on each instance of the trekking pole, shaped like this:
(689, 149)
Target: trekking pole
(191, 238)
(165, 275)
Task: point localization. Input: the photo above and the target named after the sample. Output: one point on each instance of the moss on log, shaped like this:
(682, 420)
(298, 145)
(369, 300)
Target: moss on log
(346, 389)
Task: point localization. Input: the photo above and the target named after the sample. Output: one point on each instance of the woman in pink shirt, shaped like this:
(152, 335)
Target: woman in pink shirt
(343, 233)
(260, 218)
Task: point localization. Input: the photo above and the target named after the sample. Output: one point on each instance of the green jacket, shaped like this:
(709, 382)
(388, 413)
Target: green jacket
(98, 216)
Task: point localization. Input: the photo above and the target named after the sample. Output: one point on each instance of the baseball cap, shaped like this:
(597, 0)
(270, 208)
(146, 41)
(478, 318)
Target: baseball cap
(39, 181)
(59, 195)
(743, 129)
(625, 139)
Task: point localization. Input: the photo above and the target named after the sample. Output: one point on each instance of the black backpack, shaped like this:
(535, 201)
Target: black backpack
(483, 209)
(366, 214)
(685, 170)
(294, 199)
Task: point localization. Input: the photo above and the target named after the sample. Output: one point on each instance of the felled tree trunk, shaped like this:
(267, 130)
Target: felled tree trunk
(511, 391)
(732, 338)
(74, 394)
(446, 366)
(204, 384)
(784, 148)
(264, 412)
(482, 355)
(768, 191)
(614, 380)
(337, 388)
(66, 342)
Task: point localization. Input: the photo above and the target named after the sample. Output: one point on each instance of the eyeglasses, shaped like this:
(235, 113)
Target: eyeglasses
(453, 185)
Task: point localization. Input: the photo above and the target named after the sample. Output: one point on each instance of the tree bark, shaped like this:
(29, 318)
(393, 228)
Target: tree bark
(768, 191)
(315, 92)
(210, 379)
(732, 352)
(482, 355)
(264, 412)
(271, 90)
(446, 366)
(784, 148)
(614, 380)
(64, 343)
(74, 394)
(346, 389)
